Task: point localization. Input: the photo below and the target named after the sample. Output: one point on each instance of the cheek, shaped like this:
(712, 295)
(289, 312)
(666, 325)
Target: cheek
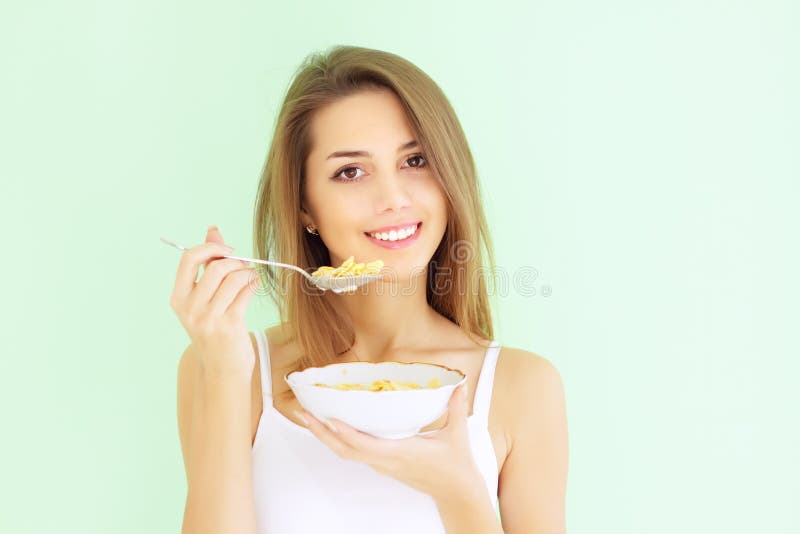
(432, 195)
(343, 219)
(340, 222)
(336, 206)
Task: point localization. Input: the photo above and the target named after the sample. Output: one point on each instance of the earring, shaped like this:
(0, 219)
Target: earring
(311, 230)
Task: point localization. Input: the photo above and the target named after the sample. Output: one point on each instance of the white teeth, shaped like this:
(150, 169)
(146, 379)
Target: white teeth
(395, 235)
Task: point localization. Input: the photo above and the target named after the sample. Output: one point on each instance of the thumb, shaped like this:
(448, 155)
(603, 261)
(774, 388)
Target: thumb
(213, 235)
(457, 408)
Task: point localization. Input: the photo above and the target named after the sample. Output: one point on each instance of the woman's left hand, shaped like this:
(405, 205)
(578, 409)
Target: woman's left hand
(438, 464)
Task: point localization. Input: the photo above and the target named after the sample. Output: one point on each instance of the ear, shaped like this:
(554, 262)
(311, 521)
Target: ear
(305, 217)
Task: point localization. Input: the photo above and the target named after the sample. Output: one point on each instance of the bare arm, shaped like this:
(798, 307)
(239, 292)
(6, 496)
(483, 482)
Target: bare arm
(471, 511)
(214, 424)
(533, 481)
(214, 389)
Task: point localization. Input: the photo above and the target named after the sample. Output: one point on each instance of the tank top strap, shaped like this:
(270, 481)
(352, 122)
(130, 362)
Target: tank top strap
(264, 364)
(483, 391)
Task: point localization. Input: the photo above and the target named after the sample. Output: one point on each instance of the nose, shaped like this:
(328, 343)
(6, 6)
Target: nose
(392, 193)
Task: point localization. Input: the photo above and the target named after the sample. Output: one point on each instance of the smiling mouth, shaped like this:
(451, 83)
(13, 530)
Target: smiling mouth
(395, 236)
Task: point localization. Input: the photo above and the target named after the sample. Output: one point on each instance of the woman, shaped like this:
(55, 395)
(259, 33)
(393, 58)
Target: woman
(367, 160)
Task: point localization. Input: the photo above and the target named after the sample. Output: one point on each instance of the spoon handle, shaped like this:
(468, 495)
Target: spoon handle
(253, 260)
(275, 263)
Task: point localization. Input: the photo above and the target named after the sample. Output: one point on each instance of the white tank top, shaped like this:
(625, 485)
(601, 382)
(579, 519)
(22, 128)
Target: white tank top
(301, 486)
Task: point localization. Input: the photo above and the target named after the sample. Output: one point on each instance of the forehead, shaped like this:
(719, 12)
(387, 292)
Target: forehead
(361, 121)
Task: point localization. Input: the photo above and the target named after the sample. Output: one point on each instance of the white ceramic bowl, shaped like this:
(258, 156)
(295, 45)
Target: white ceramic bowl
(385, 414)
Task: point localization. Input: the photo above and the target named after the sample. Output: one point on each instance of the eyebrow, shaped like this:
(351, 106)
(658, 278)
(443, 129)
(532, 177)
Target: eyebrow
(356, 153)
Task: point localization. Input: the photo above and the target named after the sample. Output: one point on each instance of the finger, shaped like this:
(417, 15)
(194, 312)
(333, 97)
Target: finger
(211, 279)
(368, 446)
(238, 308)
(228, 290)
(189, 267)
(213, 235)
(328, 437)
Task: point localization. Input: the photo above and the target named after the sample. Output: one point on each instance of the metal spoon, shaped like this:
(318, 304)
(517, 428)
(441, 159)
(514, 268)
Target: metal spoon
(337, 284)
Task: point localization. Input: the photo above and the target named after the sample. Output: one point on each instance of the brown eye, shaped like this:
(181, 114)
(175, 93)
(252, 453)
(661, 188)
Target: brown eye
(417, 157)
(349, 175)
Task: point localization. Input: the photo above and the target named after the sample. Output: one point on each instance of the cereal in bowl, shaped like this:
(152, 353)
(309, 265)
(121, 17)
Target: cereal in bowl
(383, 385)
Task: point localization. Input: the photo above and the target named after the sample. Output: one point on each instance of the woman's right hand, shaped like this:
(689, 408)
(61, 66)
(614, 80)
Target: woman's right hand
(212, 310)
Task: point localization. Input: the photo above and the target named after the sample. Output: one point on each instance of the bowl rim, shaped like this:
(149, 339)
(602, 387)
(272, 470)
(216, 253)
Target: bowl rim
(286, 375)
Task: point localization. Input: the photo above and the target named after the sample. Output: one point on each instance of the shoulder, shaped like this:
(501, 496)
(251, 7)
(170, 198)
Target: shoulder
(532, 388)
(277, 338)
(525, 368)
(273, 335)
(277, 334)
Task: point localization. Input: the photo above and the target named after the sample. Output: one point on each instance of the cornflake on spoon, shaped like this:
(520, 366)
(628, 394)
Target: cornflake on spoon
(350, 268)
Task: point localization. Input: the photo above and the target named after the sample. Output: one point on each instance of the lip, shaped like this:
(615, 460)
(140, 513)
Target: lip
(395, 227)
(397, 244)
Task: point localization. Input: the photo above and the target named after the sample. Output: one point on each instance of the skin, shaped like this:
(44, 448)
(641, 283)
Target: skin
(527, 421)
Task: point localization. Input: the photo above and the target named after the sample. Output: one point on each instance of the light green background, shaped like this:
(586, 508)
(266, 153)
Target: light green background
(641, 156)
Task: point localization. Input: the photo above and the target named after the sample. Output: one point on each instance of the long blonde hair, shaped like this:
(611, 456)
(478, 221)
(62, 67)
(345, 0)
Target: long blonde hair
(320, 327)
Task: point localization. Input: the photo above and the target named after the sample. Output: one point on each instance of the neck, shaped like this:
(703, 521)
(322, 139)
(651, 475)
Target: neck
(388, 317)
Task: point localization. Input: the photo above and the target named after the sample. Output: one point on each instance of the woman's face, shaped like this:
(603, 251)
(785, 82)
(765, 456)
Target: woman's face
(388, 184)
